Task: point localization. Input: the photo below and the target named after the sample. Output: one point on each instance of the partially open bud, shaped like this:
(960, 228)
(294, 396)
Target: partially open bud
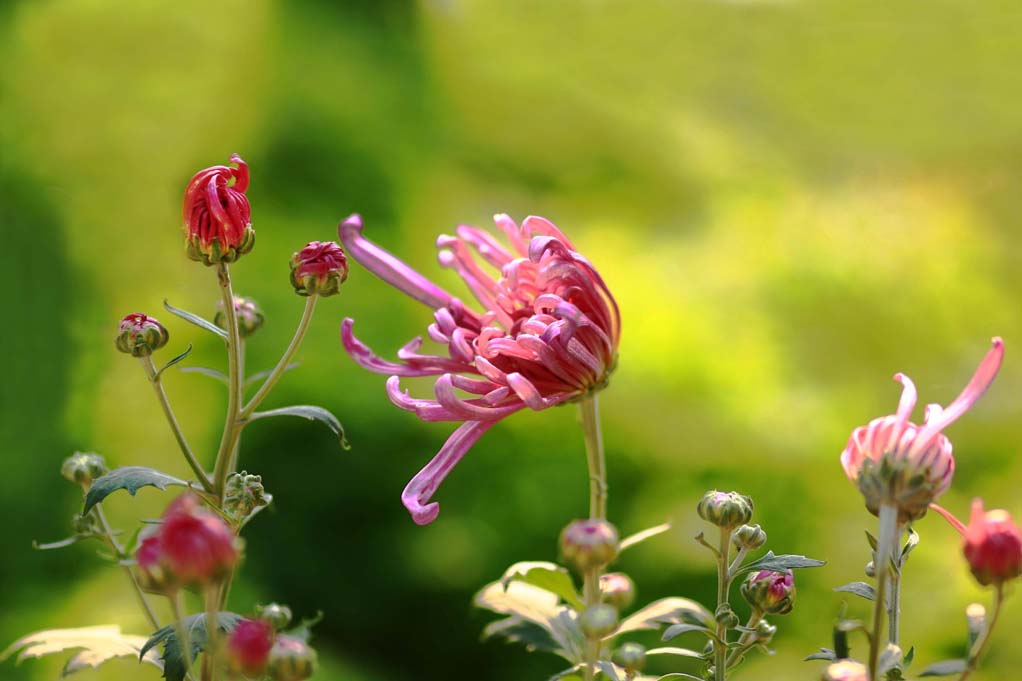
(845, 670)
(291, 659)
(248, 647)
(749, 537)
(588, 544)
(217, 215)
(725, 509)
(770, 592)
(195, 545)
(140, 335)
(243, 495)
(617, 589)
(598, 621)
(993, 545)
(249, 314)
(631, 657)
(83, 467)
(278, 616)
(319, 269)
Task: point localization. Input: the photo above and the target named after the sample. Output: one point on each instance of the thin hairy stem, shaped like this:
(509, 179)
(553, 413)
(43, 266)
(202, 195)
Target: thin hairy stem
(980, 646)
(116, 547)
(723, 598)
(746, 641)
(231, 425)
(886, 537)
(589, 415)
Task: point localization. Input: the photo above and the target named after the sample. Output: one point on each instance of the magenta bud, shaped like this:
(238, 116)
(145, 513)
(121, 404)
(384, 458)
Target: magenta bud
(770, 592)
(248, 647)
(992, 546)
(617, 589)
(631, 657)
(727, 510)
(140, 335)
(598, 621)
(319, 269)
(588, 544)
(250, 316)
(291, 659)
(83, 467)
(217, 215)
(152, 574)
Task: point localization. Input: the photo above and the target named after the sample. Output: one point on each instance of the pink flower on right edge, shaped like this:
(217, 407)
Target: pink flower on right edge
(991, 543)
(548, 334)
(893, 461)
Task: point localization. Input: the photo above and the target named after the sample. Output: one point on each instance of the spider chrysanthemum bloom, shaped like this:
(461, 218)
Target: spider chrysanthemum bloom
(548, 334)
(217, 215)
(894, 461)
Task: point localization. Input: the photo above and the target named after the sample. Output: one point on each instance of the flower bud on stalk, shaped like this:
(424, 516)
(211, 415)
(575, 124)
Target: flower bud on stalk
(243, 494)
(617, 589)
(217, 215)
(726, 616)
(631, 657)
(765, 631)
(248, 647)
(85, 524)
(993, 545)
(291, 659)
(140, 335)
(770, 592)
(278, 616)
(82, 468)
(248, 313)
(727, 510)
(319, 269)
(588, 544)
(598, 621)
(749, 537)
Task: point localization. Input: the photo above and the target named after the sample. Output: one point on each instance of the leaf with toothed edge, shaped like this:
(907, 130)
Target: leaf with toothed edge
(130, 478)
(174, 664)
(311, 412)
(196, 319)
(96, 645)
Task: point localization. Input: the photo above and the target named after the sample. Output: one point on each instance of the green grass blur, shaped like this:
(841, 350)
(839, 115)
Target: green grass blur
(792, 200)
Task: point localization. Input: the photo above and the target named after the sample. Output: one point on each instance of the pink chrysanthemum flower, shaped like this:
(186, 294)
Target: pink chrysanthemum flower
(894, 461)
(548, 333)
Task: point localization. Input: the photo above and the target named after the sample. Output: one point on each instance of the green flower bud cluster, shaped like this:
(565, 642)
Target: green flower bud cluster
(83, 467)
(726, 510)
(244, 494)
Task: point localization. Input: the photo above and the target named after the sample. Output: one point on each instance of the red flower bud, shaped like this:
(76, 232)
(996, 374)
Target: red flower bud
(618, 589)
(993, 545)
(590, 543)
(140, 335)
(770, 592)
(217, 216)
(248, 647)
(319, 269)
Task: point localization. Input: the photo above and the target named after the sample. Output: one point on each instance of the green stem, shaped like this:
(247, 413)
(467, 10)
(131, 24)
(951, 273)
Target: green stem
(175, 427)
(209, 667)
(894, 611)
(285, 359)
(177, 609)
(231, 423)
(980, 646)
(589, 415)
(116, 547)
(886, 536)
(746, 640)
(723, 598)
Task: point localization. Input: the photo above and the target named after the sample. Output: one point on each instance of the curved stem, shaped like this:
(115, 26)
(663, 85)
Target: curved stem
(589, 415)
(285, 359)
(231, 427)
(886, 536)
(746, 640)
(980, 646)
(723, 597)
(175, 427)
(116, 547)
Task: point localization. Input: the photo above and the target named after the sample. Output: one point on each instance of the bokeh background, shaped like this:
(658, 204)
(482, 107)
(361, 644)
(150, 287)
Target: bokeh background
(791, 201)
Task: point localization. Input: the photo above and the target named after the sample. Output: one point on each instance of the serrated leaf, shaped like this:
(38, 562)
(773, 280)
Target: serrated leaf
(782, 562)
(545, 575)
(97, 645)
(642, 536)
(859, 589)
(196, 319)
(945, 668)
(823, 654)
(130, 478)
(174, 664)
(206, 371)
(173, 362)
(260, 375)
(311, 412)
(667, 611)
(669, 650)
(524, 602)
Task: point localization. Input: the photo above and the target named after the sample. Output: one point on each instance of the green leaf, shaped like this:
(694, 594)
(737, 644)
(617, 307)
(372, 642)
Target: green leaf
(567, 674)
(173, 362)
(517, 630)
(909, 656)
(642, 536)
(859, 589)
(206, 371)
(676, 630)
(678, 675)
(256, 377)
(174, 664)
(196, 319)
(522, 602)
(666, 611)
(131, 478)
(945, 668)
(611, 670)
(549, 576)
(782, 562)
(311, 412)
(873, 543)
(824, 654)
(97, 645)
(668, 650)
(910, 544)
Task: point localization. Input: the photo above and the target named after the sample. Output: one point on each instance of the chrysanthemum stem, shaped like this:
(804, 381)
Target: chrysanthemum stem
(894, 611)
(175, 427)
(116, 547)
(747, 639)
(177, 610)
(209, 667)
(589, 415)
(231, 425)
(723, 598)
(285, 359)
(980, 646)
(886, 538)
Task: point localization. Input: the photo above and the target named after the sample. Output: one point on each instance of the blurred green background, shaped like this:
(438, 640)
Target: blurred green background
(791, 201)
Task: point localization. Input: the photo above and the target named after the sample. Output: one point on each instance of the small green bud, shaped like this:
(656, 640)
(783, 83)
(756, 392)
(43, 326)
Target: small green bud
(277, 615)
(598, 621)
(871, 569)
(749, 537)
(725, 509)
(617, 589)
(588, 544)
(291, 659)
(765, 631)
(726, 616)
(250, 316)
(631, 657)
(243, 495)
(140, 335)
(770, 592)
(84, 524)
(83, 467)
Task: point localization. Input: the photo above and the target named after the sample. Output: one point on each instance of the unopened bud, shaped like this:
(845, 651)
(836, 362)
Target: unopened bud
(770, 592)
(83, 467)
(152, 575)
(248, 647)
(631, 657)
(871, 569)
(244, 494)
(993, 545)
(588, 544)
(291, 659)
(726, 616)
(319, 269)
(725, 509)
(598, 621)
(765, 631)
(217, 215)
(85, 524)
(749, 537)
(279, 616)
(845, 670)
(140, 335)
(249, 314)
(617, 589)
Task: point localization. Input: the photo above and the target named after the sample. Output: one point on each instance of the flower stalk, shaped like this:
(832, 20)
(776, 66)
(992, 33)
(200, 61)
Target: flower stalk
(886, 541)
(285, 359)
(231, 426)
(723, 600)
(980, 646)
(589, 416)
(118, 550)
